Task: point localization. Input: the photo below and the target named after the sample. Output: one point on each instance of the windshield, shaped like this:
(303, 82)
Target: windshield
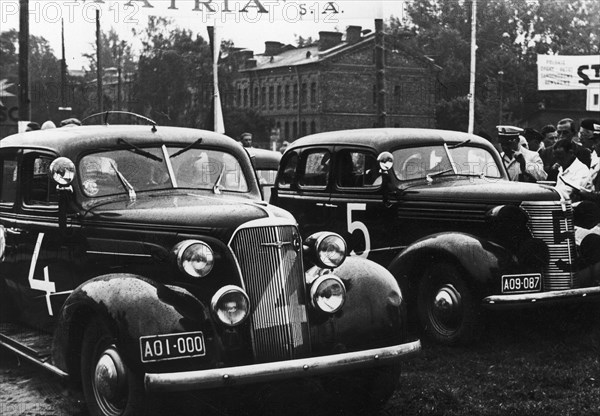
(129, 171)
(420, 162)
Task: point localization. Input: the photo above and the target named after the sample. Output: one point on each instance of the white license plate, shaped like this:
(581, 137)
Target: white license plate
(172, 346)
(521, 283)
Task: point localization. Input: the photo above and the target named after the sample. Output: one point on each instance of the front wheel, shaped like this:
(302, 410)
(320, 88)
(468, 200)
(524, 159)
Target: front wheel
(110, 388)
(448, 314)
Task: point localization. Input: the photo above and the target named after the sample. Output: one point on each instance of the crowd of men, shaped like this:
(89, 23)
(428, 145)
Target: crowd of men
(565, 156)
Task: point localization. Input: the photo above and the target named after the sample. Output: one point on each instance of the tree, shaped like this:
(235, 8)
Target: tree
(510, 34)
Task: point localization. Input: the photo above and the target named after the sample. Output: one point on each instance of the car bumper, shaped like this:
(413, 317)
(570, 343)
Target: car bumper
(532, 299)
(267, 372)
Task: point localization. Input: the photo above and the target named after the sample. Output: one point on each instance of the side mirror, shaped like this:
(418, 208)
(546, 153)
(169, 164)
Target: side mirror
(62, 171)
(386, 161)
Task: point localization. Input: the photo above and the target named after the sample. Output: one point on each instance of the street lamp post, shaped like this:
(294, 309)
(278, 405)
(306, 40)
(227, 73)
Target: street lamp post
(501, 75)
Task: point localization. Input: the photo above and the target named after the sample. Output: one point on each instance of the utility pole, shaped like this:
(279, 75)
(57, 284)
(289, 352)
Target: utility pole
(24, 100)
(99, 62)
(472, 82)
(63, 68)
(380, 71)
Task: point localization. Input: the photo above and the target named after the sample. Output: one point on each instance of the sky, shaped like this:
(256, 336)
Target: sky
(248, 23)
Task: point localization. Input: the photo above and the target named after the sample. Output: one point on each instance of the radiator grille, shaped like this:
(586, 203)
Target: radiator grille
(273, 277)
(552, 222)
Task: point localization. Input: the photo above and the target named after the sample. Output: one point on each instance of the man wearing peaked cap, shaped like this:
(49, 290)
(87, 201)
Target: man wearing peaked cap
(521, 164)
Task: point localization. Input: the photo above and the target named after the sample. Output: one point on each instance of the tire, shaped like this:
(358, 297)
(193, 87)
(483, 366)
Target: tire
(125, 395)
(447, 312)
(363, 393)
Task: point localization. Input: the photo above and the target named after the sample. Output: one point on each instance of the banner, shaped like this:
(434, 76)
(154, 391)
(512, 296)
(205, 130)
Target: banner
(568, 72)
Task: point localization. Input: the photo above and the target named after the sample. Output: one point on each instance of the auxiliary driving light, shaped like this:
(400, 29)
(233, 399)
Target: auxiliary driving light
(231, 305)
(328, 293)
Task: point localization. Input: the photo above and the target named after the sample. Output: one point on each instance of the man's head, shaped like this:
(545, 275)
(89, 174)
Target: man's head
(588, 129)
(246, 139)
(534, 138)
(564, 152)
(549, 134)
(566, 129)
(508, 137)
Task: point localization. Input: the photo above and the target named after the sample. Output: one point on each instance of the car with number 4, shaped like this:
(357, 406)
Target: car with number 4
(436, 208)
(140, 259)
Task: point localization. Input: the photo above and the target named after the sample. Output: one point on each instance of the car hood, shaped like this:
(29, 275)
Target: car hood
(189, 213)
(474, 189)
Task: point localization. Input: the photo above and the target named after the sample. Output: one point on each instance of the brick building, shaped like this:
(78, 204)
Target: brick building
(330, 85)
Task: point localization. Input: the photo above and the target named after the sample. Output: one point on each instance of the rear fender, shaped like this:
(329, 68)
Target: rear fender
(483, 261)
(373, 315)
(133, 306)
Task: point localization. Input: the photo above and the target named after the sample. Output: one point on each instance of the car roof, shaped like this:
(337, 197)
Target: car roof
(382, 139)
(265, 159)
(73, 140)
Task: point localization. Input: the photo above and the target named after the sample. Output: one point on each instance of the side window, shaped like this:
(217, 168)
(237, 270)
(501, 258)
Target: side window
(316, 170)
(355, 169)
(38, 188)
(8, 182)
(288, 173)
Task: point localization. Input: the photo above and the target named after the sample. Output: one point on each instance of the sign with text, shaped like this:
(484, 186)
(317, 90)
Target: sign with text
(568, 72)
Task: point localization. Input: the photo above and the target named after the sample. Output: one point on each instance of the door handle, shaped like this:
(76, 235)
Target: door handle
(321, 204)
(14, 231)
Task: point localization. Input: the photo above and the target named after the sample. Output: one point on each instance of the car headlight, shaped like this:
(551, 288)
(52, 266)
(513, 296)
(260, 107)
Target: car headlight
(327, 250)
(328, 293)
(194, 257)
(231, 305)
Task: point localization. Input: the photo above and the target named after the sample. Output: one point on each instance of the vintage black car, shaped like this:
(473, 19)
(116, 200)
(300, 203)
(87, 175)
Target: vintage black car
(435, 207)
(141, 259)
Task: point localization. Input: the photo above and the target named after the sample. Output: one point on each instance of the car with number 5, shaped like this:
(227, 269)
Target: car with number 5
(436, 208)
(138, 260)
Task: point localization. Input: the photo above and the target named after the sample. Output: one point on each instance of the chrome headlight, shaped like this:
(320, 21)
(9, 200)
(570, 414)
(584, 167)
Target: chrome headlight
(328, 293)
(327, 250)
(231, 305)
(194, 258)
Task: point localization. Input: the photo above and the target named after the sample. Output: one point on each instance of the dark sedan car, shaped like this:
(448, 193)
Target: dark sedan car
(140, 259)
(435, 207)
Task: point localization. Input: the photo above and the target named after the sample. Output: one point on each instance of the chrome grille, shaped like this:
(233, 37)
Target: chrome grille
(552, 222)
(273, 277)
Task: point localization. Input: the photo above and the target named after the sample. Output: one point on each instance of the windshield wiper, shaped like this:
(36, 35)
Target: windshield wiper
(217, 185)
(124, 182)
(430, 176)
(454, 146)
(139, 151)
(185, 149)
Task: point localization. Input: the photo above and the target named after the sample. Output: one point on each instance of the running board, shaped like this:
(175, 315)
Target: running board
(33, 345)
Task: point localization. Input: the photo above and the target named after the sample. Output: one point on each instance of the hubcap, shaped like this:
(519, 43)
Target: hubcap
(447, 304)
(110, 380)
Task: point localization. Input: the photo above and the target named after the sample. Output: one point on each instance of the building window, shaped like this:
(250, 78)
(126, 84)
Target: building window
(254, 102)
(245, 102)
(286, 130)
(263, 97)
(303, 94)
(313, 93)
(397, 95)
(279, 96)
(374, 95)
(295, 129)
(295, 95)
(313, 127)
(287, 96)
(303, 128)
(271, 97)
(238, 98)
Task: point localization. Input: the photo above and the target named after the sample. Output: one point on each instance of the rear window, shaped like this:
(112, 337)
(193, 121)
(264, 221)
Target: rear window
(9, 180)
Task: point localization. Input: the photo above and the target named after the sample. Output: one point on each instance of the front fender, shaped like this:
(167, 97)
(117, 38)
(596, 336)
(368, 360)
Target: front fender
(374, 314)
(133, 306)
(483, 261)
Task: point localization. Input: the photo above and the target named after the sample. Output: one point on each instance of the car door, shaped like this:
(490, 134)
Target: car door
(303, 188)
(356, 202)
(40, 258)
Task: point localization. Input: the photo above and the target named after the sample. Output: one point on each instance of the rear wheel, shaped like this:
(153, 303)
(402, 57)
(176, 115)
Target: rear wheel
(448, 314)
(110, 388)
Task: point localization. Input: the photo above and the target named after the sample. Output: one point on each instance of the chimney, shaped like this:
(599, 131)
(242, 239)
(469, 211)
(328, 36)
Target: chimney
(250, 63)
(272, 47)
(353, 34)
(245, 54)
(328, 40)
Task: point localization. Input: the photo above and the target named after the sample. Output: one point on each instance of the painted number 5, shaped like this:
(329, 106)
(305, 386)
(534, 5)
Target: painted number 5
(358, 225)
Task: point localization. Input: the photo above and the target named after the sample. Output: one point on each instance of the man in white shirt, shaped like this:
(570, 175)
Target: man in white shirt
(522, 164)
(573, 175)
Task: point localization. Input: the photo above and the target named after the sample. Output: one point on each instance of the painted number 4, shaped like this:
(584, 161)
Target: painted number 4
(360, 226)
(44, 285)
